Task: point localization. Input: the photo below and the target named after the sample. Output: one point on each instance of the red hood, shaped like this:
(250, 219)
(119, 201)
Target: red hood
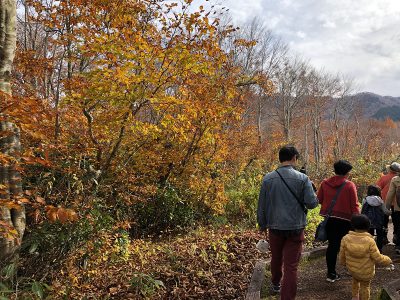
(335, 181)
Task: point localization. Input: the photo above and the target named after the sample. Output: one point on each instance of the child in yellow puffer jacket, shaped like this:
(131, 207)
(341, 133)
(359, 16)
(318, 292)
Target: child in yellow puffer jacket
(359, 253)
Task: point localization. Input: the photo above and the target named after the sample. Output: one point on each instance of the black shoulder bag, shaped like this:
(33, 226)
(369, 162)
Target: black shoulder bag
(294, 195)
(321, 234)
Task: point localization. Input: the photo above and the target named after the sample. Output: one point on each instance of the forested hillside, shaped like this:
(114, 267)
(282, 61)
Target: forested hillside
(392, 112)
(145, 128)
(379, 107)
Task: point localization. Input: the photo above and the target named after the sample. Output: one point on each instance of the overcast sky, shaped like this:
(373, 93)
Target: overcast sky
(360, 38)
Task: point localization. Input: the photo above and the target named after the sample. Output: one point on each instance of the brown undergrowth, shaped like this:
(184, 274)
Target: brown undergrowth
(207, 263)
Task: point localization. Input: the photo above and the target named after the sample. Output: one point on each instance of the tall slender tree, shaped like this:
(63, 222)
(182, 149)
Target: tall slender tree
(12, 216)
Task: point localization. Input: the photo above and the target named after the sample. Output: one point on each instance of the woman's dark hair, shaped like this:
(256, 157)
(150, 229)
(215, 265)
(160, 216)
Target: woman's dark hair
(287, 153)
(342, 167)
(373, 190)
(360, 222)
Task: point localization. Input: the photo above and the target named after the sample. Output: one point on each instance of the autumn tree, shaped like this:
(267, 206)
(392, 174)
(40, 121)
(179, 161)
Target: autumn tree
(286, 103)
(12, 224)
(258, 53)
(141, 91)
(321, 87)
(342, 111)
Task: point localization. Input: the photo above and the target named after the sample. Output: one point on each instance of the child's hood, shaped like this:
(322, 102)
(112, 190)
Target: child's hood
(374, 200)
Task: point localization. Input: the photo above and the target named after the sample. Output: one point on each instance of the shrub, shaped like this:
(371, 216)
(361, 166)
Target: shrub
(313, 219)
(167, 211)
(242, 193)
(52, 241)
(242, 203)
(145, 285)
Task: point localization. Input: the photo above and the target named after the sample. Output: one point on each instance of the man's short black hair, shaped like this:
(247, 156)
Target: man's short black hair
(360, 222)
(373, 190)
(342, 167)
(286, 153)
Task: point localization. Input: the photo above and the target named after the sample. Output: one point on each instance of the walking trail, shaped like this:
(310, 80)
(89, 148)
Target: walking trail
(312, 275)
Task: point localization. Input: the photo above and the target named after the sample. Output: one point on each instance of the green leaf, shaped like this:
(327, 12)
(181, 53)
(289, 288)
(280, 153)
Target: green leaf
(159, 283)
(37, 289)
(4, 288)
(33, 248)
(9, 270)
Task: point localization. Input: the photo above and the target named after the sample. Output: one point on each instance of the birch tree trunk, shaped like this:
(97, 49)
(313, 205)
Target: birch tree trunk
(10, 178)
(259, 119)
(306, 147)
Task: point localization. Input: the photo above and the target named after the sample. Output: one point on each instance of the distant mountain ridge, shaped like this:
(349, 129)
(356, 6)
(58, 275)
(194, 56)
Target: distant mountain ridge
(379, 107)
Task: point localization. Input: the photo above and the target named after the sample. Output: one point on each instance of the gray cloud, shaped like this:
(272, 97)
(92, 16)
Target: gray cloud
(355, 37)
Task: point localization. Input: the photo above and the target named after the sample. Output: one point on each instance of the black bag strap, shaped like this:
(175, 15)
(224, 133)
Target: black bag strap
(328, 213)
(294, 195)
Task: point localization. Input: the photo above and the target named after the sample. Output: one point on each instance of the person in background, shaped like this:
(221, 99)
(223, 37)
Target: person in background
(284, 197)
(385, 170)
(358, 252)
(392, 203)
(384, 183)
(346, 205)
(375, 209)
(304, 171)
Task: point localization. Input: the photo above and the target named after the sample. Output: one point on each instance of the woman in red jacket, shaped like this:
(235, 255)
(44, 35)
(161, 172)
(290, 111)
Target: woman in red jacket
(346, 205)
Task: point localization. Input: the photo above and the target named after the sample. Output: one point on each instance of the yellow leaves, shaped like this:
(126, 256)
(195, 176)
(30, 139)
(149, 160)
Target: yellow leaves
(161, 93)
(245, 43)
(146, 130)
(74, 280)
(7, 231)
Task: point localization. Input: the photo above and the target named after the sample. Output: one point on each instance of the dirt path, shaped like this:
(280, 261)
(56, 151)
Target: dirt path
(313, 284)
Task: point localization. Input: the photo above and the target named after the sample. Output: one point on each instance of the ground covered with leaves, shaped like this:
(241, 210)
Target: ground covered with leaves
(207, 263)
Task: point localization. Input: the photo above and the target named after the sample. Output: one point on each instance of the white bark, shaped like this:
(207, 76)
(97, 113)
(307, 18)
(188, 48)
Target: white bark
(10, 143)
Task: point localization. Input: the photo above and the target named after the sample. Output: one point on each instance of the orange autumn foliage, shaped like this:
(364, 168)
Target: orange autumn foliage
(148, 99)
(63, 215)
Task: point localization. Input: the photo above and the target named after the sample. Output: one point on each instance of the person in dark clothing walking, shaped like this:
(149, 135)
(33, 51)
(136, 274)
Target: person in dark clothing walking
(375, 209)
(346, 205)
(384, 182)
(392, 199)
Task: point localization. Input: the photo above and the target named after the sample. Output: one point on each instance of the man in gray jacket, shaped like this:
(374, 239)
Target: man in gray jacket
(285, 196)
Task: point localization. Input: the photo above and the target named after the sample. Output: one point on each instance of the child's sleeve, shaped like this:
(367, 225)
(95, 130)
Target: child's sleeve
(376, 256)
(342, 254)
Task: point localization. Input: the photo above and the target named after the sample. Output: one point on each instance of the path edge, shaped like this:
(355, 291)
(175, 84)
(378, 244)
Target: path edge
(391, 289)
(257, 278)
